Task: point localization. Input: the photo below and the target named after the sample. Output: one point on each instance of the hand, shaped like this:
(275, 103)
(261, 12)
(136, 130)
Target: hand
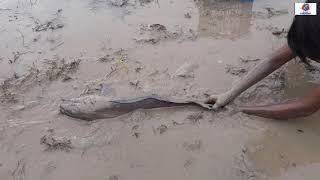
(219, 101)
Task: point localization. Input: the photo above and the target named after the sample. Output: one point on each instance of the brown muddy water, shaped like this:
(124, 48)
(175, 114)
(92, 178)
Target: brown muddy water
(53, 50)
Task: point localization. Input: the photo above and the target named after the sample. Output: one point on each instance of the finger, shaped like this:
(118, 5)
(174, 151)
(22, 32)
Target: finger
(215, 107)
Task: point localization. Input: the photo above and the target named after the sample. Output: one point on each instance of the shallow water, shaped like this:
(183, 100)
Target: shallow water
(211, 34)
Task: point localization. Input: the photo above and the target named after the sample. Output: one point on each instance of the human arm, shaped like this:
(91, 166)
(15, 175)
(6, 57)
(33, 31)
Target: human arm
(304, 106)
(263, 69)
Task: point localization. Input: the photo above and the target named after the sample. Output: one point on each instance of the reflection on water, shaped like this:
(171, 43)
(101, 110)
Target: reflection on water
(224, 18)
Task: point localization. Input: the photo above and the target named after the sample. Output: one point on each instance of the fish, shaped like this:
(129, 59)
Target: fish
(94, 107)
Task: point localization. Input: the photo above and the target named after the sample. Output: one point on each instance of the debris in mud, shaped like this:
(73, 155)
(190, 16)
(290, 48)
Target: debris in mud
(120, 54)
(138, 69)
(119, 3)
(17, 55)
(249, 59)
(195, 117)
(106, 58)
(50, 25)
(157, 27)
(300, 130)
(152, 41)
(176, 123)
(188, 162)
(11, 87)
(142, 2)
(270, 12)
(56, 143)
(135, 132)
(186, 70)
(93, 88)
(66, 78)
(194, 146)
(244, 167)
(114, 177)
(7, 96)
(19, 172)
(112, 71)
(58, 69)
(134, 83)
(235, 70)
(155, 33)
(187, 15)
(273, 12)
(162, 129)
(192, 35)
(280, 33)
(14, 84)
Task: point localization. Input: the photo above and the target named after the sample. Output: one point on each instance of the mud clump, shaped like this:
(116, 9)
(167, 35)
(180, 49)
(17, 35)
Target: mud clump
(162, 129)
(135, 131)
(187, 15)
(193, 146)
(54, 143)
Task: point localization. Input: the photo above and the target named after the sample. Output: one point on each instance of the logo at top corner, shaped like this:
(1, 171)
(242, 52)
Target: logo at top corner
(305, 7)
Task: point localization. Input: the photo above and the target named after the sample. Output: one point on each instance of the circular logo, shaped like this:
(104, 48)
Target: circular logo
(305, 7)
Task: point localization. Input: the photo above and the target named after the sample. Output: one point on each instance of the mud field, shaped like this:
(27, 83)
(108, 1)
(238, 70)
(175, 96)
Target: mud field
(52, 50)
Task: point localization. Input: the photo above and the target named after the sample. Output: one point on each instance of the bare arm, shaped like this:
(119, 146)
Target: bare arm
(300, 108)
(266, 67)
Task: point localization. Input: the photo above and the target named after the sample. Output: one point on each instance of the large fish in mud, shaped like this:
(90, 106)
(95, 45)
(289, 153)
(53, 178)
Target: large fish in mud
(99, 107)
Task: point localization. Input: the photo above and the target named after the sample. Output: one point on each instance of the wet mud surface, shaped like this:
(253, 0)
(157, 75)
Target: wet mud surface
(54, 50)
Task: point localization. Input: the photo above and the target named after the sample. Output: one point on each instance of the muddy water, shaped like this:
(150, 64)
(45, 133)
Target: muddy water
(289, 144)
(156, 144)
